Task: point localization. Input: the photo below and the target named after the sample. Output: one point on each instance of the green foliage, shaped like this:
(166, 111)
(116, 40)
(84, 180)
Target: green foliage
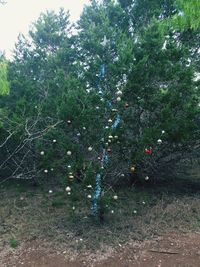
(188, 16)
(54, 106)
(4, 84)
(13, 243)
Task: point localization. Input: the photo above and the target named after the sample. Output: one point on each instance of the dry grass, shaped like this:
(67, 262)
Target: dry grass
(27, 215)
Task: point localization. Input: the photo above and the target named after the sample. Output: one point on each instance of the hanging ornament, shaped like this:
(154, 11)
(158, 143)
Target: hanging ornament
(146, 178)
(115, 197)
(54, 141)
(114, 110)
(78, 134)
(45, 171)
(106, 144)
(163, 131)
(118, 99)
(69, 122)
(110, 120)
(109, 141)
(119, 93)
(97, 107)
(89, 196)
(71, 177)
(106, 127)
(42, 153)
(133, 169)
(52, 169)
(90, 148)
(69, 166)
(112, 211)
(110, 137)
(126, 105)
(148, 151)
(69, 153)
(135, 211)
(116, 137)
(159, 141)
(122, 175)
(50, 191)
(67, 189)
(84, 128)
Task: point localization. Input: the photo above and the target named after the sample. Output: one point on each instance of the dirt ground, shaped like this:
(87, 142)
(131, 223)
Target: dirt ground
(171, 250)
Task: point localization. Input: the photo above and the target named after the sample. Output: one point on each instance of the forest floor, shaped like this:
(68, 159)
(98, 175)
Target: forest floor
(152, 225)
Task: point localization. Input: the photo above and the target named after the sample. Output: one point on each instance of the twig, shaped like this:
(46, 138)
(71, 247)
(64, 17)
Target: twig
(164, 252)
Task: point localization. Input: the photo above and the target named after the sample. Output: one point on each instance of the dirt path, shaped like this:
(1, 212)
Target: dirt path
(172, 250)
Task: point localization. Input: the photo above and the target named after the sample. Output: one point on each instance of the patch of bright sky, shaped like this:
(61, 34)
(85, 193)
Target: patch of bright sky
(17, 15)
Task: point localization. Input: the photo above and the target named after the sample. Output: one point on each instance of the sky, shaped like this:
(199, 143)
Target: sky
(16, 17)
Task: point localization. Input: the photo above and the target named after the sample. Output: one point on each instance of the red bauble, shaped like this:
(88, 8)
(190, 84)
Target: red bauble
(126, 105)
(148, 151)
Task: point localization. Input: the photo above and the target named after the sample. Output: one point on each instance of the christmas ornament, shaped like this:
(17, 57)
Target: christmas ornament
(89, 148)
(69, 122)
(69, 166)
(148, 151)
(146, 178)
(112, 211)
(110, 137)
(42, 153)
(52, 169)
(114, 110)
(50, 191)
(89, 196)
(73, 208)
(106, 127)
(71, 177)
(67, 189)
(118, 99)
(84, 128)
(97, 107)
(45, 171)
(135, 211)
(122, 175)
(159, 141)
(69, 193)
(119, 93)
(126, 105)
(133, 169)
(69, 153)
(115, 197)
(54, 141)
(78, 134)
(116, 137)
(110, 120)
(89, 186)
(163, 131)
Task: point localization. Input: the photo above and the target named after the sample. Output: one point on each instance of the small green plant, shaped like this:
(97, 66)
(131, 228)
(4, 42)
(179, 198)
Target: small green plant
(13, 243)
